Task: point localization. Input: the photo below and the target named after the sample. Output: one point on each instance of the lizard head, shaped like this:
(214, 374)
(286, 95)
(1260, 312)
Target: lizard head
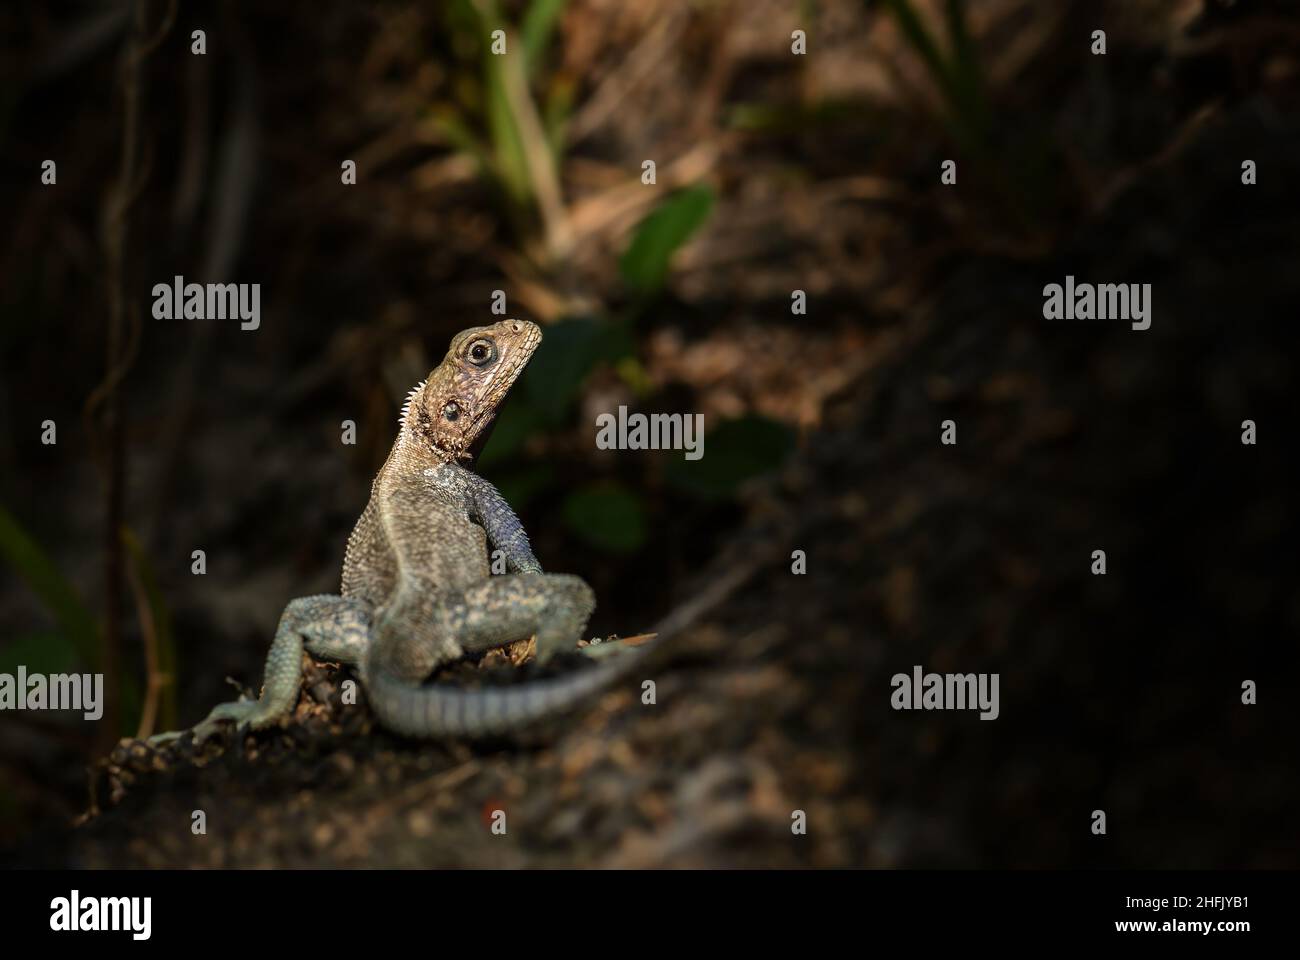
(452, 412)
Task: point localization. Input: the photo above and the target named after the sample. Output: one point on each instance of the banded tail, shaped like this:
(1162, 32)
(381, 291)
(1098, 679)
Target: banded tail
(441, 710)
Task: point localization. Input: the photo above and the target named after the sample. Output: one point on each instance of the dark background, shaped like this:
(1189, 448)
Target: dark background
(775, 172)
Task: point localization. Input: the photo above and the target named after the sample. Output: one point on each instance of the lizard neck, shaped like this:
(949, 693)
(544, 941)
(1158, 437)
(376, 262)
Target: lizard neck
(411, 453)
(411, 447)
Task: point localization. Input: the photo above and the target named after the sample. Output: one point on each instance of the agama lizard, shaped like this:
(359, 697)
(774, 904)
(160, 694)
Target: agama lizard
(417, 588)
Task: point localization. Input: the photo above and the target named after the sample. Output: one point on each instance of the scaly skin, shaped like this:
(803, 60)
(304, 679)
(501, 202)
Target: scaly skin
(417, 589)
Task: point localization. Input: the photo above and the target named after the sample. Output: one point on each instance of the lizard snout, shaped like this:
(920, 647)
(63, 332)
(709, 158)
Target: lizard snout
(523, 328)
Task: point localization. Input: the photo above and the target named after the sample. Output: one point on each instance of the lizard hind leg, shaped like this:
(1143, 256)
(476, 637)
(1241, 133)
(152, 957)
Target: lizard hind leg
(418, 630)
(489, 613)
(335, 628)
(554, 607)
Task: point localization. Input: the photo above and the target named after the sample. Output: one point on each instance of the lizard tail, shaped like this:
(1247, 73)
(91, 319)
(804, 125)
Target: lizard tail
(439, 710)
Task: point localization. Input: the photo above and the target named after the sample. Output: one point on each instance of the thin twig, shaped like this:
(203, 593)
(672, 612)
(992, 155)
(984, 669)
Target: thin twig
(146, 47)
(716, 590)
(155, 680)
(122, 343)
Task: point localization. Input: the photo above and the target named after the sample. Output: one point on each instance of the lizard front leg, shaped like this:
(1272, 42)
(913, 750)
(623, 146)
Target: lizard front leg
(334, 628)
(506, 533)
(504, 530)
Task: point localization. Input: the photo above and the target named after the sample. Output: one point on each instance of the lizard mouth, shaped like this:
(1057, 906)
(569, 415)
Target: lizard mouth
(513, 366)
(517, 359)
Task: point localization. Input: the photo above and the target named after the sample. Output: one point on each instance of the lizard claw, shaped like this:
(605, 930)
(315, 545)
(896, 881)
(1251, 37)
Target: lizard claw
(167, 736)
(246, 714)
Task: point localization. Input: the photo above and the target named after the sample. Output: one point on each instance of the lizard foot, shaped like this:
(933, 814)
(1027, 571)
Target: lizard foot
(246, 714)
(613, 645)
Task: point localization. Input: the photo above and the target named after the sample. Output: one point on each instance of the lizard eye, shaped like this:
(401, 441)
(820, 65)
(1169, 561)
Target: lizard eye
(481, 352)
(452, 410)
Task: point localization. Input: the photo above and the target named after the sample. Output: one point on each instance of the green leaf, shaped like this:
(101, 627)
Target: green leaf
(47, 652)
(537, 26)
(734, 452)
(553, 381)
(22, 553)
(645, 263)
(568, 353)
(790, 119)
(451, 126)
(548, 386)
(555, 114)
(607, 516)
(521, 486)
(465, 21)
(516, 422)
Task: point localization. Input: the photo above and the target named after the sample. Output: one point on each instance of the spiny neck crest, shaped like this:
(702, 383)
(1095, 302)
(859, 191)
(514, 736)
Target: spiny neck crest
(406, 407)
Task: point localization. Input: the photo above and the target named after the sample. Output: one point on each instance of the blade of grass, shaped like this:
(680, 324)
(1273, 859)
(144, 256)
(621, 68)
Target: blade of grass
(916, 33)
(510, 157)
(41, 574)
(964, 69)
(956, 76)
(537, 27)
